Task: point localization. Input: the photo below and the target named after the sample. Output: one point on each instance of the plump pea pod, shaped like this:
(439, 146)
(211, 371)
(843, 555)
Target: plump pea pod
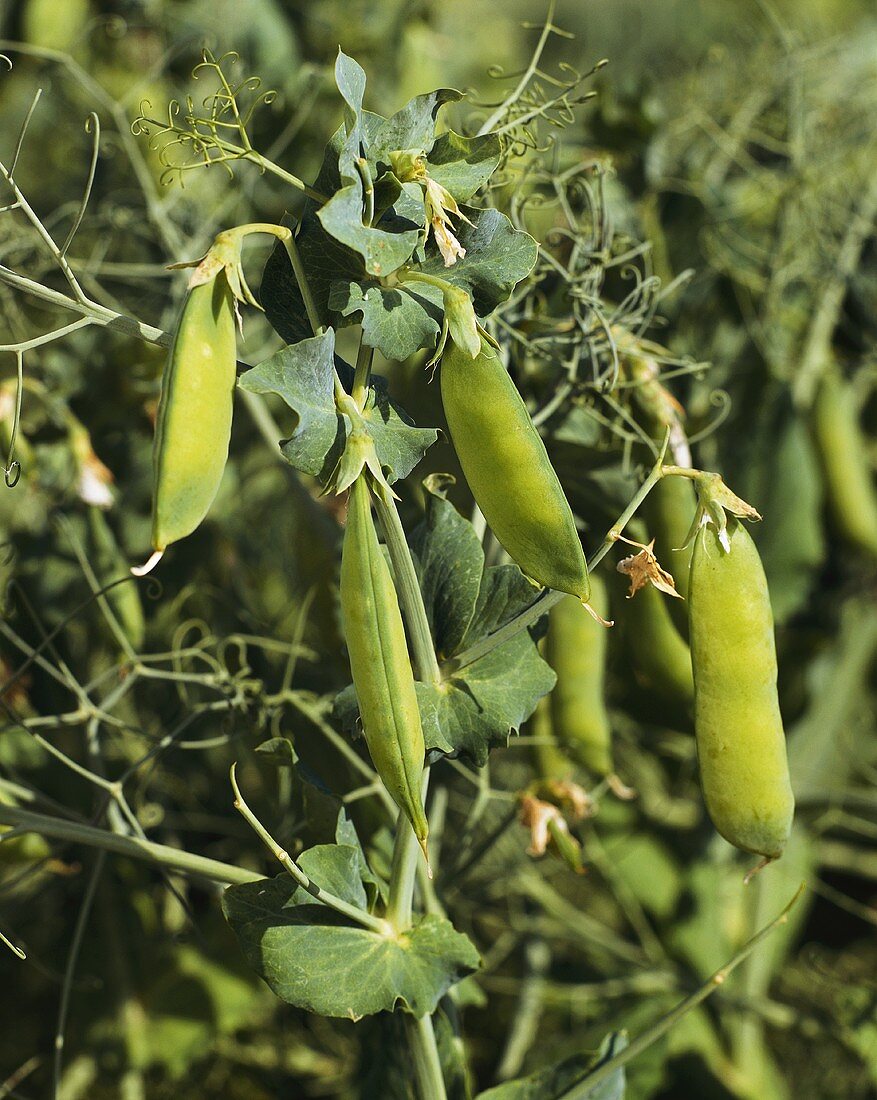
(194, 413)
(575, 647)
(508, 470)
(379, 662)
(741, 746)
(840, 443)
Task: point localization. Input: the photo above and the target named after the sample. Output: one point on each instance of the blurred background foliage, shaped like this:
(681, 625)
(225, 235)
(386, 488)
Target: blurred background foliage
(736, 138)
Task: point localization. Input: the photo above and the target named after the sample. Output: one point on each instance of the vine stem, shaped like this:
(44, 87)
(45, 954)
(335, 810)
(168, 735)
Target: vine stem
(549, 598)
(174, 859)
(587, 1085)
(427, 1064)
(352, 912)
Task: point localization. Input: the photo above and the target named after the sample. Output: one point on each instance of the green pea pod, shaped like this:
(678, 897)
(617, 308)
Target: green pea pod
(843, 456)
(379, 662)
(111, 564)
(658, 652)
(194, 414)
(741, 746)
(575, 647)
(508, 470)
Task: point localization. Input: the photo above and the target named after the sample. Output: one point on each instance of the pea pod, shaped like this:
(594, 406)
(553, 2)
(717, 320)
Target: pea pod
(508, 470)
(193, 426)
(741, 746)
(841, 446)
(575, 647)
(379, 662)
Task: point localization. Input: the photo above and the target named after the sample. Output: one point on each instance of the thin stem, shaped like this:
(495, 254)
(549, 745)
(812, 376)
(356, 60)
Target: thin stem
(362, 374)
(427, 1064)
(406, 857)
(303, 284)
(527, 75)
(172, 858)
(585, 1087)
(352, 912)
(73, 957)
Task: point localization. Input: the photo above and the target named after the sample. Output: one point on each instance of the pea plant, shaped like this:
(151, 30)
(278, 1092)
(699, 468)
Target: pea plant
(484, 256)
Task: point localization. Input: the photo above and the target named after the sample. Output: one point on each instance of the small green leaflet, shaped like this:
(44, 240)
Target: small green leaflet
(315, 959)
(401, 320)
(478, 707)
(569, 1079)
(304, 376)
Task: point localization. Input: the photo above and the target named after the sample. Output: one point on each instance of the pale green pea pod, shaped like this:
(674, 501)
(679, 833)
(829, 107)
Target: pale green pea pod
(193, 426)
(194, 413)
(741, 745)
(575, 647)
(379, 662)
(840, 443)
(508, 470)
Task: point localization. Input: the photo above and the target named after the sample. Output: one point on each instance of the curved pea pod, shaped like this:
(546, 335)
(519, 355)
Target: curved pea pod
(575, 647)
(379, 662)
(840, 443)
(741, 745)
(508, 470)
(193, 427)
(658, 652)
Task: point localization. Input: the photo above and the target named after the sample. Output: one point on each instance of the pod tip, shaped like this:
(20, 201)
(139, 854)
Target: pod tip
(760, 866)
(148, 566)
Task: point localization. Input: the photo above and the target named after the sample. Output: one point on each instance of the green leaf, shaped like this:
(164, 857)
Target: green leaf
(412, 127)
(312, 958)
(346, 834)
(398, 321)
(462, 164)
(382, 248)
(336, 869)
(559, 1082)
(280, 751)
(304, 376)
(497, 257)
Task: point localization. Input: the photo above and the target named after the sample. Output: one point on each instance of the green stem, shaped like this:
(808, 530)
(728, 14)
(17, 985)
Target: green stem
(303, 284)
(587, 1085)
(406, 856)
(352, 912)
(160, 854)
(362, 374)
(427, 1064)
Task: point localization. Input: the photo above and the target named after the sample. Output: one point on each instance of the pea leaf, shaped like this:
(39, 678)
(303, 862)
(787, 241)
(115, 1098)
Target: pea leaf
(313, 958)
(477, 707)
(412, 127)
(464, 164)
(398, 322)
(304, 376)
(383, 248)
(562, 1080)
(497, 257)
